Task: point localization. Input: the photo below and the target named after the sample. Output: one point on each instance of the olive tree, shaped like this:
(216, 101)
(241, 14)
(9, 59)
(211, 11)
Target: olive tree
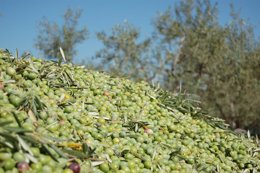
(52, 37)
(123, 52)
(218, 64)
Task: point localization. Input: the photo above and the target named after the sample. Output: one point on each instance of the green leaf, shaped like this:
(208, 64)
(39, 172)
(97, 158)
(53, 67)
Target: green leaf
(75, 153)
(16, 129)
(9, 137)
(46, 148)
(4, 123)
(58, 150)
(17, 119)
(30, 139)
(6, 144)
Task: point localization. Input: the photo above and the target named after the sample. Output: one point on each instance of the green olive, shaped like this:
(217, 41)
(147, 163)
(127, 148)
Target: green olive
(36, 166)
(15, 100)
(9, 164)
(19, 157)
(82, 116)
(10, 71)
(5, 156)
(104, 167)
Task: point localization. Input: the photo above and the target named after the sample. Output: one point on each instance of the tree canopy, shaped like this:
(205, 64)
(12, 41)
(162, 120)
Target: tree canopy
(217, 63)
(123, 52)
(52, 37)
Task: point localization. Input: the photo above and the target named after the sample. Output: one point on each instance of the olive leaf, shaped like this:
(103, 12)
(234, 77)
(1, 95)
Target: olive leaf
(17, 119)
(8, 137)
(6, 144)
(23, 144)
(57, 150)
(75, 153)
(96, 163)
(31, 158)
(5, 123)
(47, 150)
(17, 130)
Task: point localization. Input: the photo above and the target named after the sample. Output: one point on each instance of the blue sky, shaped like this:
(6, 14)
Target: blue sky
(19, 19)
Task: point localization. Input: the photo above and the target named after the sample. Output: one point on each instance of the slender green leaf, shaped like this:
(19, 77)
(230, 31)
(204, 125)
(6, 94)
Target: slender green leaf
(46, 148)
(5, 123)
(75, 153)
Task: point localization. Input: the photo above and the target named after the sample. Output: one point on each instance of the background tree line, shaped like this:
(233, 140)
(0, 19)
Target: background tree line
(189, 51)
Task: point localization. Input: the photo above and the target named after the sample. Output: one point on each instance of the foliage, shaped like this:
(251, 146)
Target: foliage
(52, 36)
(217, 63)
(123, 53)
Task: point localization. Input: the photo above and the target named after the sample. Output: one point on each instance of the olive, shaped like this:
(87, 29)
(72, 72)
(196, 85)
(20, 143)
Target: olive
(5, 156)
(104, 167)
(36, 166)
(10, 71)
(15, 100)
(32, 76)
(19, 157)
(75, 167)
(9, 164)
(147, 164)
(46, 168)
(22, 167)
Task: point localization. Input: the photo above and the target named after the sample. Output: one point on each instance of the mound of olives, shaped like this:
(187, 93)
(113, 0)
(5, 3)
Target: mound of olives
(65, 118)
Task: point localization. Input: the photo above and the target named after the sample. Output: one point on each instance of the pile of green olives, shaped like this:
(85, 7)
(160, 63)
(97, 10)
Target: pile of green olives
(92, 122)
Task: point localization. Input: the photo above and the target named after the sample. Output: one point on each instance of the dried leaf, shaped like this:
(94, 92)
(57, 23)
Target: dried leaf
(136, 127)
(248, 134)
(32, 116)
(1, 85)
(31, 157)
(218, 169)
(24, 145)
(154, 154)
(93, 113)
(108, 158)
(62, 97)
(96, 163)
(246, 170)
(32, 67)
(62, 54)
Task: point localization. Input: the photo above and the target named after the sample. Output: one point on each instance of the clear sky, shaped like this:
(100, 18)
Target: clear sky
(19, 19)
